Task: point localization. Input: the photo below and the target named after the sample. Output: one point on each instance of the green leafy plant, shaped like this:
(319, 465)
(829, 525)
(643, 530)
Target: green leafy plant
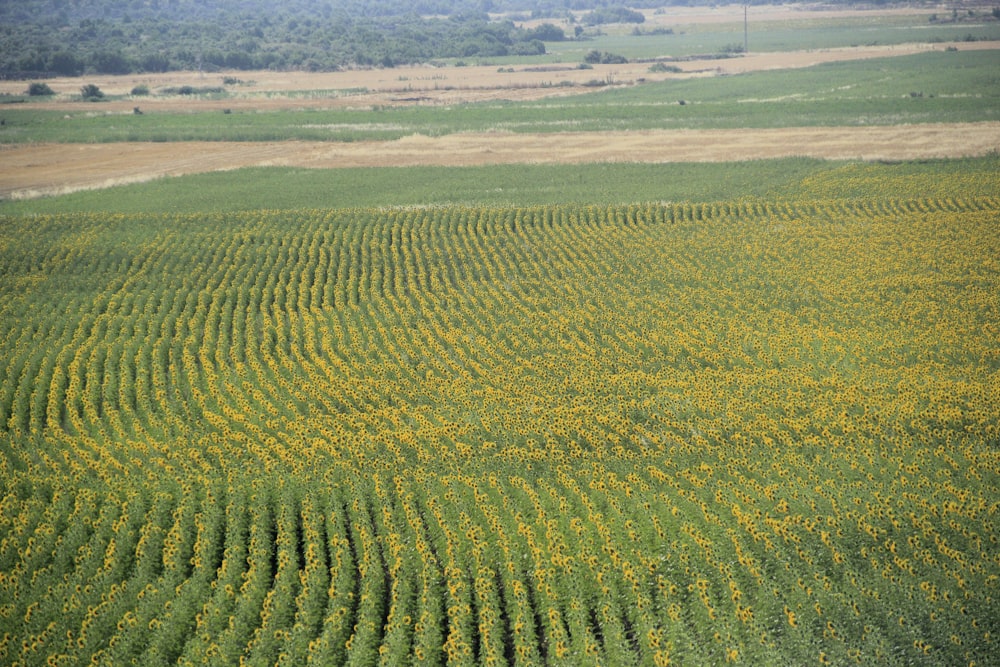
(40, 89)
(91, 92)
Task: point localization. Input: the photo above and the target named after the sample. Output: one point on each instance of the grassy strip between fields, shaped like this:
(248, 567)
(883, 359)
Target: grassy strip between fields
(515, 185)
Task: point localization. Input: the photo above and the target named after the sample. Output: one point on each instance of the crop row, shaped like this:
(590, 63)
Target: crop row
(758, 432)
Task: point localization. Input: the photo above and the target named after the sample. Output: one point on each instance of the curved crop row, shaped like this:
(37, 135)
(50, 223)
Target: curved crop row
(752, 432)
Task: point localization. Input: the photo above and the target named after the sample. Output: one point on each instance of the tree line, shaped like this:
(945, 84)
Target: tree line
(40, 38)
(157, 45)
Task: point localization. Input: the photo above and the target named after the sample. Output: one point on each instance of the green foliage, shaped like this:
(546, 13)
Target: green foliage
(65, 63)
(193, 90)
(612, 15)
(546, 32)
(276, 37)
(40, 89)
(596, 57)
(91, 92)
(663, 67)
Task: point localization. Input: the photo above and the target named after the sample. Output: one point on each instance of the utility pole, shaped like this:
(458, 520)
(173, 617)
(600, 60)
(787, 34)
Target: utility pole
(746, 39)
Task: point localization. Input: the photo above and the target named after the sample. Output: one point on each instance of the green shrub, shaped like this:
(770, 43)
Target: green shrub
(604, 58)
(91, 92)
(660, 67)
(38, 89)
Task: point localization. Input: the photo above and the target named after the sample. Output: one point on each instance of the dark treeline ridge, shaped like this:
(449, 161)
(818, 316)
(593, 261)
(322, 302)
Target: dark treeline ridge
(40, 38)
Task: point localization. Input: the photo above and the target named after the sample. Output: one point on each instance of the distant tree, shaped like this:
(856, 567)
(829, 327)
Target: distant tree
(238, 60)
(37, 89)
(164, 35)
(533, 48)
(546, 32)
(596, 57)
(91, 92)
(110, 62)
(613, 15)
(66, 64)
(31, 62)
(154, 62)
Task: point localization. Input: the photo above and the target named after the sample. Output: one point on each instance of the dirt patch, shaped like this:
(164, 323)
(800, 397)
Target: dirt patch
(37, 170)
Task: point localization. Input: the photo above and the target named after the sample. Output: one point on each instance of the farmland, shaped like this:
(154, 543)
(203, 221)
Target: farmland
(523, 375)
(448, 433)
(910, 106)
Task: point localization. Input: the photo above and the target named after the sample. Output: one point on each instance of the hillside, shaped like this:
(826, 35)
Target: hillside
(40, 38)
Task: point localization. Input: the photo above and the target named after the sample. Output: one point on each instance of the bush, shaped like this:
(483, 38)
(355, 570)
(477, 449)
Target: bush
(91, 92)
(547, 32)
(532, 48)
(141, 89)
(604, 58)
(660, 67)
(191, 90)
(36, 89)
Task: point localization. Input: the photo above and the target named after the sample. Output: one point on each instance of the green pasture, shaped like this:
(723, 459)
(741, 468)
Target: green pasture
(518, 185)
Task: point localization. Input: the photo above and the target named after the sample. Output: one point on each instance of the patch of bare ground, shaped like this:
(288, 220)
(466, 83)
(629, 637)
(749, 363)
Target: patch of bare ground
(37, 170)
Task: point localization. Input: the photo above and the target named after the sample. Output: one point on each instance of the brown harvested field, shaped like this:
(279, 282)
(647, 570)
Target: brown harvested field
(58, 168)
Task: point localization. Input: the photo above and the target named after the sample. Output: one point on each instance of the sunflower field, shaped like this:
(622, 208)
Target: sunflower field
(749, 432)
